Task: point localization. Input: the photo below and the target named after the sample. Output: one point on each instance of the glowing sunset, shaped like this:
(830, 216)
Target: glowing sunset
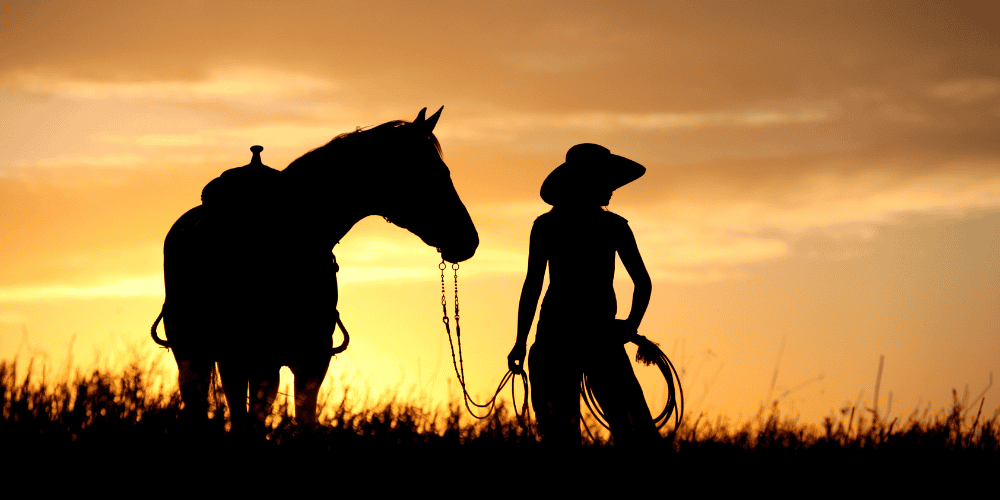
(822, 185)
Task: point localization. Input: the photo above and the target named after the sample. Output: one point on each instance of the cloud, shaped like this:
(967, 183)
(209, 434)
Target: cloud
(700, 235)
(684, 237)
(394, 274)
(149, 286)
(239, 83)
(106, 160)
(488, 260)
(487, 127)
(153, 286)
(506, 123)
(556, 62)
(365, 258)
(509, 210)
(13, 317)
(693, 276)
(278, 135)
(967, 90)
(828, 198)
(700, 248)
(878, 196)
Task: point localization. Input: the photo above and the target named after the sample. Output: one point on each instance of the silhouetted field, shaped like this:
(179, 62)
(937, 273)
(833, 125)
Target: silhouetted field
(128, 417)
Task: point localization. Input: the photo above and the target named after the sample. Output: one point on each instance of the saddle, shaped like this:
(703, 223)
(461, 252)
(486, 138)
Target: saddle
(252, 189)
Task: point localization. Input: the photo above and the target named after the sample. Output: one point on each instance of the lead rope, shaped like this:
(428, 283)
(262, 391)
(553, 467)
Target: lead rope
(459, 364)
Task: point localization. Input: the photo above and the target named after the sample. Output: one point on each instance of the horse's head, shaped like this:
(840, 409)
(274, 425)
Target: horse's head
(393, 170)
(418, 192)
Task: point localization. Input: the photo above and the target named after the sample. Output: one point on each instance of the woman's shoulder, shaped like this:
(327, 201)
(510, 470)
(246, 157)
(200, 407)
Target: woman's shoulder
(617, 227)
(547, 218)
(614, 218)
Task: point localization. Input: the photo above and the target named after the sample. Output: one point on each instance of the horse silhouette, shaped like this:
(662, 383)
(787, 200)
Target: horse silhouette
(249, 275)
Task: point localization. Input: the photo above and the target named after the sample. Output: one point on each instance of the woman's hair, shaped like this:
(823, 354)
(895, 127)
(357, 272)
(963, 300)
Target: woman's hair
(592, 196)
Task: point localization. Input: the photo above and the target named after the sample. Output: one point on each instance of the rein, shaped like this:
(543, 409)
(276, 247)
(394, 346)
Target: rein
(460, 366)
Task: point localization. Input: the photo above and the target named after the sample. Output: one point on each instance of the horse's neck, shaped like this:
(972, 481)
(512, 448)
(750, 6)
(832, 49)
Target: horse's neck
(331, 204)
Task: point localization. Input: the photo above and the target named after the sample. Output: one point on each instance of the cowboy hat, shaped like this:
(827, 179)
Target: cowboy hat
(589, 169)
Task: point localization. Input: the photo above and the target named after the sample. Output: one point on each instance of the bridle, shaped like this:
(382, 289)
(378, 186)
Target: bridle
(460, 366)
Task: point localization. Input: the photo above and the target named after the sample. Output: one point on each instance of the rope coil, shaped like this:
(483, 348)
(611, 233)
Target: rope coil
(648, 353)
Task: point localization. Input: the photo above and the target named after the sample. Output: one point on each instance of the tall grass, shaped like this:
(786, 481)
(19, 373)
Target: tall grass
(135, 406)
(947, 431)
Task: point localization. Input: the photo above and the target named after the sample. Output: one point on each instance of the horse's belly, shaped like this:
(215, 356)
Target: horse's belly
(276, 312)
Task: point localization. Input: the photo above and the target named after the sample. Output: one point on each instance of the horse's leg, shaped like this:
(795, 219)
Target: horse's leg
(194, 379)
(235, 376)
(309, 377)
(264, 384)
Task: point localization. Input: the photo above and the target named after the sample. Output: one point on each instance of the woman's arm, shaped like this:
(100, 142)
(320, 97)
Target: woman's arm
(530, 293)
(629, 253)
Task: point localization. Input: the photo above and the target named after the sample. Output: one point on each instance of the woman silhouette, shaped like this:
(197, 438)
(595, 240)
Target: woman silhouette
(577, 331)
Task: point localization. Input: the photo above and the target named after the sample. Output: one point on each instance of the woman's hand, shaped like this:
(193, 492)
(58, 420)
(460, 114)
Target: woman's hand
(515, 360)
(625, 330)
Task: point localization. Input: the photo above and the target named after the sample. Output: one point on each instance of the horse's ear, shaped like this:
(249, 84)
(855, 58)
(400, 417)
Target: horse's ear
(420, 116)
(432, 121)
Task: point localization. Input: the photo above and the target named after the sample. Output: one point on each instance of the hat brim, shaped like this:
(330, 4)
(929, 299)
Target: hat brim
(572, 179)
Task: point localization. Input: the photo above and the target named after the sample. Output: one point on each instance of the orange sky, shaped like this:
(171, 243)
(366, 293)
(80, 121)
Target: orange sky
(822, 189)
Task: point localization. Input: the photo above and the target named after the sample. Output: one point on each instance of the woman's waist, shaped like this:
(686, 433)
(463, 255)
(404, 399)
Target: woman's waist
(579, 331)
(580, 298)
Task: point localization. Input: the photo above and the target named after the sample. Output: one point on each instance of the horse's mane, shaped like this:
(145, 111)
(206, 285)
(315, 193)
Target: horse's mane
(349, 145)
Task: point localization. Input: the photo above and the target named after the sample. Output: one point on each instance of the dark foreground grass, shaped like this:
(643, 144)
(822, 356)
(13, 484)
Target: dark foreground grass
(129, 419)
